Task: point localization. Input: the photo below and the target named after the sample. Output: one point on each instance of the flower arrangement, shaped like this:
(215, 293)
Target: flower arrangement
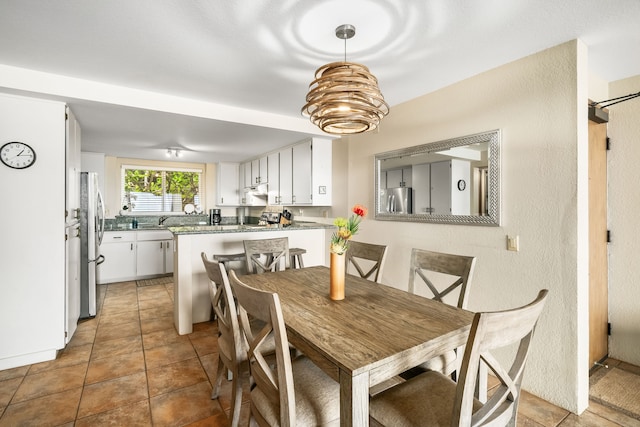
(347, 228)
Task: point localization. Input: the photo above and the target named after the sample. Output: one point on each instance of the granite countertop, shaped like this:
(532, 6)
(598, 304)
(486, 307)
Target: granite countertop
(207, 229)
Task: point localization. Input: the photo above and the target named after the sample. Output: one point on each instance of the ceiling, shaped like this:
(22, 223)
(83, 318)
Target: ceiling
(225, 80)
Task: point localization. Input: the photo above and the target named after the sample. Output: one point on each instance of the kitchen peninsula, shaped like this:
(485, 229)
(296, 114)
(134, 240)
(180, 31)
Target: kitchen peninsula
(191, 284)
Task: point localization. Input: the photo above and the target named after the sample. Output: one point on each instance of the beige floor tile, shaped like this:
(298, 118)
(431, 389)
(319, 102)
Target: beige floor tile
(8, 389)
(116, 347)
(112, 331)
(163, 303)
(83, 336)
(136, 414)
(612, 415)
(157, 324)
(210, 364)
(541, 411)
(18, 372)
(115, 366)
(152, 292)
(50, 381)
(167, 354)
(205, 345)
(108, 395)
(184, 406)
(162, 337)
(167, 378)
(156, 312)
(51, 410)
(587, 419)
(119, 317)
(68, 357)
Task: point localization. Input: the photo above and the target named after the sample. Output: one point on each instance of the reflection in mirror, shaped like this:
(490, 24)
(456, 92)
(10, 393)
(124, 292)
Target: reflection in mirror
(456, 181)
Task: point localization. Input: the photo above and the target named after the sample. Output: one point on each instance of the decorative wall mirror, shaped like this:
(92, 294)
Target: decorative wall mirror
(456, 181)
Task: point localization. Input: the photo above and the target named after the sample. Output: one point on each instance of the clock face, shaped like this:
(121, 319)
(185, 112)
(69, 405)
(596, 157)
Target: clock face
(462, 185)
(17, 155)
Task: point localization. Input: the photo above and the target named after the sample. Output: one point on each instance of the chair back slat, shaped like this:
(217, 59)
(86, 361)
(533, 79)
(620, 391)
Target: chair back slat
(274, 381)
(264, 255)
(459, 266)
(491, 331)
(367, 259)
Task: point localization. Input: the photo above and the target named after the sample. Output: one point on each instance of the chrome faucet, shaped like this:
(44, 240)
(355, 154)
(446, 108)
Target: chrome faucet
(162, 219)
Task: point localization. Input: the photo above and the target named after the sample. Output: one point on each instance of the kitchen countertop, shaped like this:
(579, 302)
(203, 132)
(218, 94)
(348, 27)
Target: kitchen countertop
(224, 228)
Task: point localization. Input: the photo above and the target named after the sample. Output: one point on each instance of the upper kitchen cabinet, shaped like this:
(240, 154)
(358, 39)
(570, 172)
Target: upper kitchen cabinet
(259, 171)
(311, 170)
(72, 177)
(227, 184)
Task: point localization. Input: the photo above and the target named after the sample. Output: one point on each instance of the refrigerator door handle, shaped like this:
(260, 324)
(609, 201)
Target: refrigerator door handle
(101, 229)
(98, 260)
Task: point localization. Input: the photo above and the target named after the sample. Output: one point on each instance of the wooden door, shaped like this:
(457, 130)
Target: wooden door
(598, 265)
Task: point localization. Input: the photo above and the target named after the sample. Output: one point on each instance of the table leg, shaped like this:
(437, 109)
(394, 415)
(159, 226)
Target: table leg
(354, 399)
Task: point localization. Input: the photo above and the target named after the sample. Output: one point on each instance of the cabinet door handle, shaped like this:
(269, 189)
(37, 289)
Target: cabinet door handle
(132, 246)
(161, 245)
(117, 237)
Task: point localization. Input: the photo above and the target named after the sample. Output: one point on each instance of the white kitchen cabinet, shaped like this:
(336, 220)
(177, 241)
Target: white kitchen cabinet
(119, 250)
(72, 165)
(72, 279)
(302, 173)
(228, 193)
(259, 171)
(151, 253)
(285, 179)
(401, 177)
(273, 171)
(246, 180)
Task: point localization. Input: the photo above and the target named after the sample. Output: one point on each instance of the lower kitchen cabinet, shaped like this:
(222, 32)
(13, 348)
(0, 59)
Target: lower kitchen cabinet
(119, 250)
(131, 255)
(151, 256)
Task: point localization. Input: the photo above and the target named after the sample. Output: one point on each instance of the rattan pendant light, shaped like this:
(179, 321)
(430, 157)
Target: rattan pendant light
(344, 97)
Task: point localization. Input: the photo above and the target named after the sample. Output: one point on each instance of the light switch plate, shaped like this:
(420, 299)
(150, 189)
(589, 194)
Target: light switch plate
(513, 243)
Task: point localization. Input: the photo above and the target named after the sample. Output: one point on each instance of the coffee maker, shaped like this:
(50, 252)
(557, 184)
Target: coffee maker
(214, 217)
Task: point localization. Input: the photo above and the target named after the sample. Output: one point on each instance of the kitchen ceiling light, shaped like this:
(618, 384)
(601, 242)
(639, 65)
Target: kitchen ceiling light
(173, 152)
(344, 97)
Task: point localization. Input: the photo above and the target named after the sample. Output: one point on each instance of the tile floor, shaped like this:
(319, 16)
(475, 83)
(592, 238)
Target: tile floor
(129, 367)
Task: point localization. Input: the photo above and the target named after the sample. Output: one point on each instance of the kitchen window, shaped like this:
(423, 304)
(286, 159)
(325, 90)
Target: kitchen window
(160, 189)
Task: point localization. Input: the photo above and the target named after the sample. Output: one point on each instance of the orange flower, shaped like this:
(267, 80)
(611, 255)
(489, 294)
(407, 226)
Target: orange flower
(360, 210)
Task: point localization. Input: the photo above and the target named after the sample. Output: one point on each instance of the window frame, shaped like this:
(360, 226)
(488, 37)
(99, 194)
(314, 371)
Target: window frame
(123, 193)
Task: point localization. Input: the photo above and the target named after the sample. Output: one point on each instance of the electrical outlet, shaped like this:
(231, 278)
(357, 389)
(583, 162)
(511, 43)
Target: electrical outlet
(513, 243)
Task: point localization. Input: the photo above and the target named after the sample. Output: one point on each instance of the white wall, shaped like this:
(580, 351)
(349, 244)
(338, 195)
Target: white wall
(624, 206)
(32, 265)
(544, 200)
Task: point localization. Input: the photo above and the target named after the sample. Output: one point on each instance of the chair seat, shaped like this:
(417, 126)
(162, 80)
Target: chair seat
(396, 406)
(315, 393)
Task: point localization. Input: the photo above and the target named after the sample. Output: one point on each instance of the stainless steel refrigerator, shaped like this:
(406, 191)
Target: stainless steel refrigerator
(91, 232)
(396, 200)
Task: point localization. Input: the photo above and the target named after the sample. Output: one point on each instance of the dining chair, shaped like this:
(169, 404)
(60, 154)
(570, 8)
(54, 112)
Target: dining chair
(434, 399)
(441, 274)
(293, 391)
(232, 349)
(264, 255)
(367, 259)
(233, 262)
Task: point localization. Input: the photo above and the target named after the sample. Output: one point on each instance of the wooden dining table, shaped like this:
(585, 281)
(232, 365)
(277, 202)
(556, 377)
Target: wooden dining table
(372, 335)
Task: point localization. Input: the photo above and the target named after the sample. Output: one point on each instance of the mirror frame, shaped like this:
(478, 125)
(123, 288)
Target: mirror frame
(493, 206)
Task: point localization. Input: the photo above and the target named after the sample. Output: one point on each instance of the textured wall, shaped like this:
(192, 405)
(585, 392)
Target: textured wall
(544, 201)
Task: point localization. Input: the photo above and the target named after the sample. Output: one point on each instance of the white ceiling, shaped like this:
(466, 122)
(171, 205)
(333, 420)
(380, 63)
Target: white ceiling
(226, 79)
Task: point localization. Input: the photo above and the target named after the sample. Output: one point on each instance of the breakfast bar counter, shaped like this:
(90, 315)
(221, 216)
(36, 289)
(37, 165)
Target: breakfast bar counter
(191, 284)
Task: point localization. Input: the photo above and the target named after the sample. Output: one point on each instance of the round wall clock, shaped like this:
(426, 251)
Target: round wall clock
(17, 155)
(462, 185)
